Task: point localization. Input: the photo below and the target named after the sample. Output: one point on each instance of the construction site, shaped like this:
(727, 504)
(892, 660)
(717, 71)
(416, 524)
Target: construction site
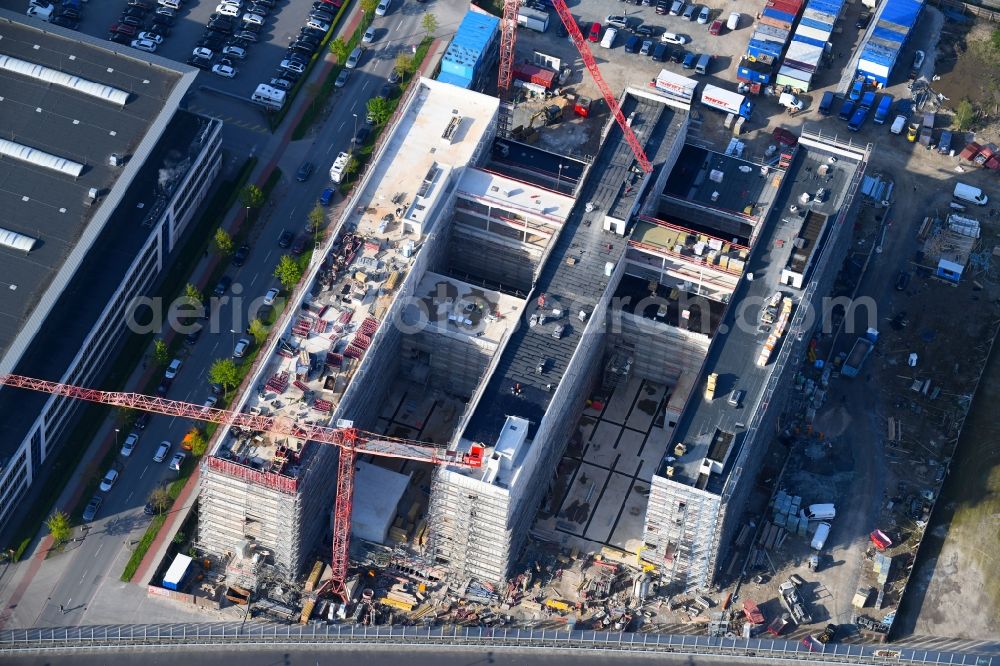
(553, 383)
(556, 397)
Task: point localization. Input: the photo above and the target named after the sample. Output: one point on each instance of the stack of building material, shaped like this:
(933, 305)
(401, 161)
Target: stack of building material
(302, 327)
(778, 330)
(278, 383)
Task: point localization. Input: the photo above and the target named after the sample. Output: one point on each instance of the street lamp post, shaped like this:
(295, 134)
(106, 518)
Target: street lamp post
(233, 331)
(559, 177)
(116, 439)
(355, 131)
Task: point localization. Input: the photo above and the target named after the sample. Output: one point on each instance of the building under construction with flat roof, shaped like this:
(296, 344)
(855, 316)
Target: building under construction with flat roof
(591, 345)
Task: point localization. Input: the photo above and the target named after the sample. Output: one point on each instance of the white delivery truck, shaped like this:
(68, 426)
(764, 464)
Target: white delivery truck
(675, 86)
(970, 194)
(339, 167)
(725, 100)
(819, 539)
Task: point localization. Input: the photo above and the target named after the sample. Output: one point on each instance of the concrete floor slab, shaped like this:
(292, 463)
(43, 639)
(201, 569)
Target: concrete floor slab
(627, 534)
(601, 450)
(629, 445)
(644, 409)
(609, 506)
(621, 401)
(576, 510)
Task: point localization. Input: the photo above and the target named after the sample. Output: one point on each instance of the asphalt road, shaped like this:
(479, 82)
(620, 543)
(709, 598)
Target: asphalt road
(104, 549)
(371, 657)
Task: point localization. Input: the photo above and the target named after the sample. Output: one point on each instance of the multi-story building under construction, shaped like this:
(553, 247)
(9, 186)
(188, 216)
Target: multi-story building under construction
(568, 316)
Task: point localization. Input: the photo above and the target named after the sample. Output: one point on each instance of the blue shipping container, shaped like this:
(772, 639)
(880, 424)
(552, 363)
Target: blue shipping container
(454, 79)
(826, 8)
(757, 49)
(808, 40)
(471, 45)
(813, 23)
(753, 75)
(779, 15)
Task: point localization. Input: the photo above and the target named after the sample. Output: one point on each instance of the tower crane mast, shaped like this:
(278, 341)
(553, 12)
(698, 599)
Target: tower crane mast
(351, 441)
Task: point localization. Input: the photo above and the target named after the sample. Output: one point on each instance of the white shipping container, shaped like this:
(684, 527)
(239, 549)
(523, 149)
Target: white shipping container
(804, 53)
(818, 15)
(873, 68)
(813, 33)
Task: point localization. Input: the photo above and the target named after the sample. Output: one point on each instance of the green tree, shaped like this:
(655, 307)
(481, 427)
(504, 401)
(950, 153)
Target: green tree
(368, 6)
(192, 294)
(995, 39)
(338, 47)
(224, 372)
(258, 330)
(251, 196)
(195, 438)
(159, 499)
(223, 242)
(161, 355)
(964, 115)
(288, 271)
(379, 109)
(429, 23)
(317, 218)
(59, 527)
(180, 538)
(405, 64)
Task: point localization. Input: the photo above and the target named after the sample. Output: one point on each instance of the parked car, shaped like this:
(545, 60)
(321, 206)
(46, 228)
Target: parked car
(241, 254)
(92, 507)
(108, 482)
(299, 246)
(177, 461)
(595, 32)
(369, 36)
(141, 421)
(285, 238)
(241, 347)
(192, 337)
(151, 36)
(354, 58)
(224, 70)
(342, 78)
(863, 20)
(394, 76)
(902, 280)
(646, 30)
(704, 15)
(271, 295)
(672, 38)
(161, 451)
(302, 175)
(129, 444)
(383, 8)
(326, 196)
(222, 286)
(172, 369)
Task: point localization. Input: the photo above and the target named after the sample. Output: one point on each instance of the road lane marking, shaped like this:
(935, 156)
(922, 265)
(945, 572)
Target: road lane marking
(99, 550)
(364, 86)
(129, 497)
(400, 25)
(144, 471)
(268, 256)
(341, 126)
(255, 275)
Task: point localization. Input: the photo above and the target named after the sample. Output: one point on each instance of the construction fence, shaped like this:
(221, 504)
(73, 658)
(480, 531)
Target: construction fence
(271, 635)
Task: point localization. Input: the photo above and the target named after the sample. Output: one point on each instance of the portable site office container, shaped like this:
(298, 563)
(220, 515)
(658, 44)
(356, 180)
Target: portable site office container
(806, 56)
(831, 8)
(792, 7)
(816, 24)
(761, 74)
(795, 78)
(812, 41)
(757, 50)
(889, 34)
(769, 32)
(778, 18)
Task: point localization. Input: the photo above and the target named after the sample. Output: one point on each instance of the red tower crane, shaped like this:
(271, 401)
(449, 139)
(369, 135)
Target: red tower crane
(508, 39)
(351, 441)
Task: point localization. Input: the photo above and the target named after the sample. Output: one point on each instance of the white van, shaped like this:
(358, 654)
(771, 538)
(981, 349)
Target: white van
(265, 95)
(819, 539)
(734, 21)
(821, 512)
(898, 124)
(609, 38)
(970, 194)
